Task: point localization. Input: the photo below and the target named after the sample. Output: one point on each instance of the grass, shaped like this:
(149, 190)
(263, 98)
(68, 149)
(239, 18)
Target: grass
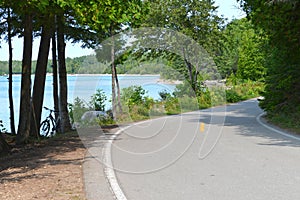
(287, 121)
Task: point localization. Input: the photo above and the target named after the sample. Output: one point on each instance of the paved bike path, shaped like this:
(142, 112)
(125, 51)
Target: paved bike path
(185, 157)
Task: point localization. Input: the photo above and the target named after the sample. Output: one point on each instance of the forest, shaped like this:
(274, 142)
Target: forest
(83, 65)
(261, 49)
(79, 65)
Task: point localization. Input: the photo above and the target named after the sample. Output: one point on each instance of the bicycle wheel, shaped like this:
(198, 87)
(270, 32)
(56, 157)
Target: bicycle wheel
(44, 128)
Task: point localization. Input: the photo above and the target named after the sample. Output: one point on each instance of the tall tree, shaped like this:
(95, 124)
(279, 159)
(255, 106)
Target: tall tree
(195, 19)
(55, 74)
(7, 28)
(69, 26)
(63, 87)
(242, 51)
(109, 18)
(114, 77)
(10, 85)
(27, 10)
(40, 74)
(25, 104)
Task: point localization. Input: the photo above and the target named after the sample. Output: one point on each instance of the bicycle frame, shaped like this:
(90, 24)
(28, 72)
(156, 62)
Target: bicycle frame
(52, 122)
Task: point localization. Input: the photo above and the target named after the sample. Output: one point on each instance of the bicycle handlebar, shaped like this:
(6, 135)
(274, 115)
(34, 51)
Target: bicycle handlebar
(49, 109)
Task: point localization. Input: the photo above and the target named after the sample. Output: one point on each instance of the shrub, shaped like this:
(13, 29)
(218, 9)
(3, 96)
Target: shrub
(138, 105)
(78, 108)
(204, 99)
(133, 95)
(232, 96)
(217, 95)
(157, 109)
(104, 120)
(184, 89)
(164, 95)
(98, 100)
(243, 89)
(172, 106)
(188, 103)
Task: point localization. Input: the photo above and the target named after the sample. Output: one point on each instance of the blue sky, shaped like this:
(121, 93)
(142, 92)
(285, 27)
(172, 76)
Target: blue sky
(230, 9)
(227, 8)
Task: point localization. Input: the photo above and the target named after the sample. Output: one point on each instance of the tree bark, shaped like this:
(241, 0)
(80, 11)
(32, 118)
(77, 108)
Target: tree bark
(10, 73)
(25, 104)
(190, 71)
(39, 80)
(55, 80)
(113, 78)
(118, 90)
(63, 87)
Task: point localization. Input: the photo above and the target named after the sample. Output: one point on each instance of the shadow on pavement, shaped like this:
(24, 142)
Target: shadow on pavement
(243, 116)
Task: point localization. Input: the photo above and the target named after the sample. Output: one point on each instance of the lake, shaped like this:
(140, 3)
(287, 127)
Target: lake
(82, 86)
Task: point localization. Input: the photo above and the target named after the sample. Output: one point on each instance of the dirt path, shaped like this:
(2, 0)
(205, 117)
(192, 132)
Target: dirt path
(51, 169)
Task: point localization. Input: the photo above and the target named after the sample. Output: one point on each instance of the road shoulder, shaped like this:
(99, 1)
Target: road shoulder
(262, 121)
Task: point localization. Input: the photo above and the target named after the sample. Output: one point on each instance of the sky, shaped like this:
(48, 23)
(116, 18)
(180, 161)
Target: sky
(230, 9)
(227, 8)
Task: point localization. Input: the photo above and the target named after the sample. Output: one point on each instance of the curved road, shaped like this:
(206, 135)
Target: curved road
(214, 154)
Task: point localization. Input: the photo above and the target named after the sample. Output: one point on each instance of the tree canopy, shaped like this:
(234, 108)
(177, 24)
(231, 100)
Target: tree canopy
(280, 20)
(242, 51)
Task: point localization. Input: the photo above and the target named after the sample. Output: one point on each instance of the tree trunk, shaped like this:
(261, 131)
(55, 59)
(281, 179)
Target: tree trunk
(189, 66)
(118, 91)
(25, 104)
(63, 87)
(39, 81)
(10, 89)
(55, 80)
(113, 78)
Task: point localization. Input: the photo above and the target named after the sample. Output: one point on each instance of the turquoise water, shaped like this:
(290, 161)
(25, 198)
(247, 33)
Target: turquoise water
(82, 86)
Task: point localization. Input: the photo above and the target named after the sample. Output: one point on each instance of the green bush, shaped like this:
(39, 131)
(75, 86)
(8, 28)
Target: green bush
(104, 120)
(184, 89)
(133, 95)
(98, 100)
(164, 95)
(188, 103)
(77, 109)
(217, 95)
(137, 103)
(172, 106)
(157, 109)
(242, 89)
(137, 106)
(232, 96)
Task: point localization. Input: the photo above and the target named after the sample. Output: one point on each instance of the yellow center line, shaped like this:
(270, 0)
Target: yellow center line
(202, 127)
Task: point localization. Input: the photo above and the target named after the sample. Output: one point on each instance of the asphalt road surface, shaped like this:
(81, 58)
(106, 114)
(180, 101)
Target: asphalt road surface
(215, 154)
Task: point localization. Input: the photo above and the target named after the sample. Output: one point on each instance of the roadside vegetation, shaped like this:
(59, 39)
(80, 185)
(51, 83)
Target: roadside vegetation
(251, 55)
(137, 105)
(280, 23)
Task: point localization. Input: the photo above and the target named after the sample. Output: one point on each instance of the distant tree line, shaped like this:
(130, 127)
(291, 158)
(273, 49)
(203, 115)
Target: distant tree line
(90, 65)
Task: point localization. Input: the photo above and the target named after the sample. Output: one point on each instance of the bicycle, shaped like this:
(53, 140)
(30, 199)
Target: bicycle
(48, 123)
